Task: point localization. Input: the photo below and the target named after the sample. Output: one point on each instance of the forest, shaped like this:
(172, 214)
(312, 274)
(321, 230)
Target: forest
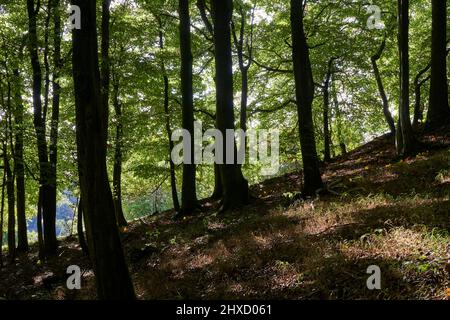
(224, 149)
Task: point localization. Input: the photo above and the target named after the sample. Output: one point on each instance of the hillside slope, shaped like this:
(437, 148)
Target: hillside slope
(380, 211)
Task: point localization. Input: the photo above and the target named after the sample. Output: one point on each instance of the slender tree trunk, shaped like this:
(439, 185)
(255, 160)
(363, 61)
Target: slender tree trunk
(2, 210)
(80, 232)
(53, 145)
(188, 193)
(418, 83)
(39, 226)
(105, 248)
(173, 180)
(117, 168)
(342, 145)
(304, 85)
(405, 137)
(19, 172)
(438, 111)
(46, 59)
(387, 113)
(48, 196)
(326, 112)
(243, 67)
(235, 187)
(11, 202)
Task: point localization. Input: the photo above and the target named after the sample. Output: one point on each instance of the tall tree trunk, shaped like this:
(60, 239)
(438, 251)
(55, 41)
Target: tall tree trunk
(173, 181)
(19, 172)
(53, 145)
(105, 248)
(405, 137)
(326, 112)
(304, 86)
(48, 194)
(2, 209)
(188, 193)
(11, 202)
(235, 186)
(438, 111)
(387, 113)
(117, 168)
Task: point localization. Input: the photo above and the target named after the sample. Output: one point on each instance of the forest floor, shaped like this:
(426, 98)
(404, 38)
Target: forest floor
(387, 212)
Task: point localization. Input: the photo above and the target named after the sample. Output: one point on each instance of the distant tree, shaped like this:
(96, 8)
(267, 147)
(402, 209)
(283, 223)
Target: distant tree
(173, 180)
(387, 113)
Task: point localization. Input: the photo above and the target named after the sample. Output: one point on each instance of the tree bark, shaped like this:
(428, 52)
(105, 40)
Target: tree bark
(39, 226)
(112, 277)
(235, 186)
(387, 113)
(218, 189)
(438, 111)
(304, 86)
(189, 200)
(405, 137)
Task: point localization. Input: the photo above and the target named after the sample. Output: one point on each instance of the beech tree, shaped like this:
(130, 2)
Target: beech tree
(304, 88)
(189, 192)
(405, 136)
(235, 186)
(105, 248)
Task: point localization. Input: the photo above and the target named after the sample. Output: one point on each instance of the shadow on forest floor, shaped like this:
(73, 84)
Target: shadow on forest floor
(390, 213)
